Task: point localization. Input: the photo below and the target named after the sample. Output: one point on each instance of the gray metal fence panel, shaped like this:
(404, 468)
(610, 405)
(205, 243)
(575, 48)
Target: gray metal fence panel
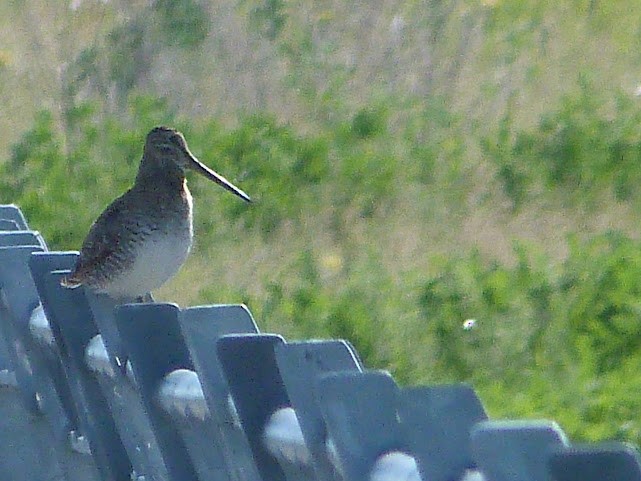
(437, 421)
(151, 338)
(596, 462)
(301, 364)
(166, 394)
(202, 327)
(513, 450)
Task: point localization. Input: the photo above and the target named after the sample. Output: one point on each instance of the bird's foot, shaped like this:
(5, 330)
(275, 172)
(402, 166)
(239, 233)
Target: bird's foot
(147, 298)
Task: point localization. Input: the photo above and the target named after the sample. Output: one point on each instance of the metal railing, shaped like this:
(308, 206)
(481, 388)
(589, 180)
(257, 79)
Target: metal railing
(92, 391)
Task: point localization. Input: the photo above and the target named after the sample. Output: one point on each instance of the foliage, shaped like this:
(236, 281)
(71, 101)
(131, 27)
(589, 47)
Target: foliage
(268, 17)
(590, 145)
(535, 328)
(512, 307)
(277, 166)
(184, 22)
(601, 288)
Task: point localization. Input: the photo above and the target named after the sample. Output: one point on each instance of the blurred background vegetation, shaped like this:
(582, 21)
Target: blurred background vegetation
(414, 164)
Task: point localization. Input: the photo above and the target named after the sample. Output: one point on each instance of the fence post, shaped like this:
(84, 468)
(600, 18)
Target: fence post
(8, 225)
(360, 411)
(21, 238)
(257, 389)
(301, 364)
(151, 338)
(202, 327)
(515, 450)
(8, 357)
(39, 371)
(26, 434)
(596, 462)
(436, 421)
(13, 279)
(108, 359)
(67, 311)
(14, 215)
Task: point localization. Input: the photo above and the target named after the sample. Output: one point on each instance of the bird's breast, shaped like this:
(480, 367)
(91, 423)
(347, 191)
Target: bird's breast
(156, 259)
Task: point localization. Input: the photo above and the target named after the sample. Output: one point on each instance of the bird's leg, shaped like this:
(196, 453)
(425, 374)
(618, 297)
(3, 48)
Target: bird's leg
(145, 299)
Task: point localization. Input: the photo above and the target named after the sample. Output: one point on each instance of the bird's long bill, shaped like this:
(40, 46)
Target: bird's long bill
(219, 179)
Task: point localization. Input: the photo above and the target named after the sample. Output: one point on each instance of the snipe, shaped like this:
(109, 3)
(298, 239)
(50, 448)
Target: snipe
(144, 236)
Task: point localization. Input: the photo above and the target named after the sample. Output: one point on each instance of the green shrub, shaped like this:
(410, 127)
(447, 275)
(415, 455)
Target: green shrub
(601, 289)
(368, 122)
(185, 23)
(268, 17)
(590, 145)
(511, 306)
(278, 168)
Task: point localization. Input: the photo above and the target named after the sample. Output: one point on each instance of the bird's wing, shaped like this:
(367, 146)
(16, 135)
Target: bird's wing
(102, 243)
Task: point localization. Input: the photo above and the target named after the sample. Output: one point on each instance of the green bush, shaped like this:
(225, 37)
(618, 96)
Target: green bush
(185, 23)
(268, 17)
(589, 146)
(128, 59)
(601, 288)
(277, 167)
(511, 307)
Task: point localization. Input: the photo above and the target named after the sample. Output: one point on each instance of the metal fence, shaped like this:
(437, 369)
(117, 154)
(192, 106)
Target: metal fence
(91, 391)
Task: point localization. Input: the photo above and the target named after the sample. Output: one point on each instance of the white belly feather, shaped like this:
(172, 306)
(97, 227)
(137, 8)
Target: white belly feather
(157, 260)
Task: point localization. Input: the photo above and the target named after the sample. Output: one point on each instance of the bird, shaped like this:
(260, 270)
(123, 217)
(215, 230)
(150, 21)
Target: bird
(143, 237)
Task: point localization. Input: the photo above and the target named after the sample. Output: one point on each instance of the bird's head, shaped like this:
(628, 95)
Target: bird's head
(166, 149)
